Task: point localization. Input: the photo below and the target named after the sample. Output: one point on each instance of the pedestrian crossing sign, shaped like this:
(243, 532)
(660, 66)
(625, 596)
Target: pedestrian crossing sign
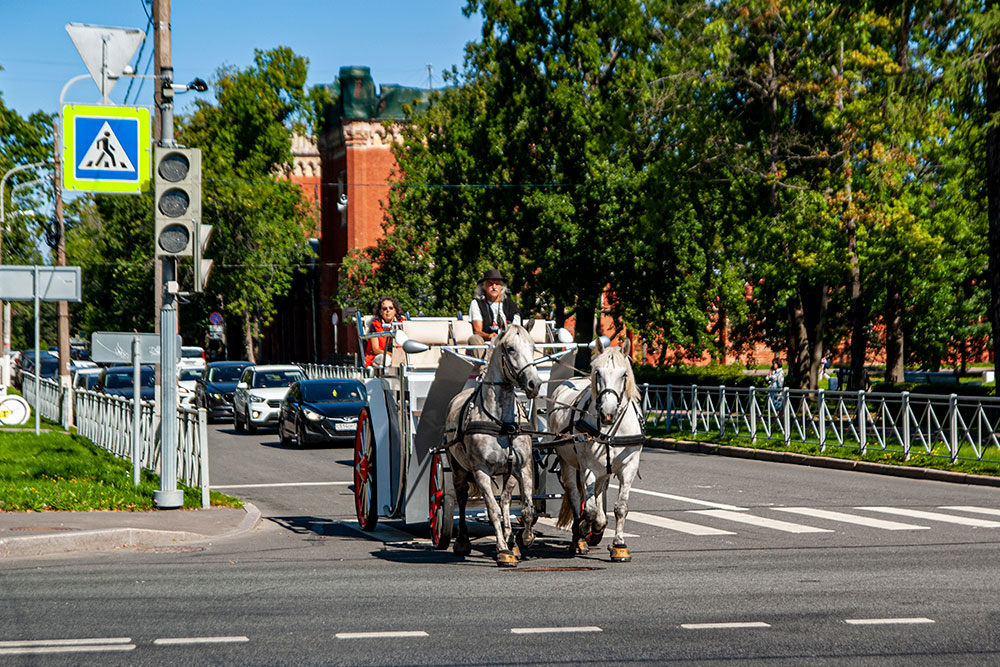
(106, 149)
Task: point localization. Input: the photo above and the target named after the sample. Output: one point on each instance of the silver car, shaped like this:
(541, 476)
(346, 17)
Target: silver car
(258, 395)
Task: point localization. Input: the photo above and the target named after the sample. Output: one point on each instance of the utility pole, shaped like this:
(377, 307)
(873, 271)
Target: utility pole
(169, 496)
(62, 307)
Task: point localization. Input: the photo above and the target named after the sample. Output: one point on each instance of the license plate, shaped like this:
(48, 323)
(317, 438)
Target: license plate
(349, 426)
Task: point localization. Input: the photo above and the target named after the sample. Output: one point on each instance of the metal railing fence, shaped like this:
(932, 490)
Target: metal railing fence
(107, 422)
(947, 426)
(324, 371)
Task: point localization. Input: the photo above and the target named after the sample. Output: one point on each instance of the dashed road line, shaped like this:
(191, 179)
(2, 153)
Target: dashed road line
(673, 524)
(542, 631)
(45, 646)
(761, 522)
(934, 516)
(387, 634)
(969, 508)
(851, 518)
(725, 626)
(886, 621)
(175, 641)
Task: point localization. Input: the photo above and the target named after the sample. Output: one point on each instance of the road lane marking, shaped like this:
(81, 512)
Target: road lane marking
(540, 631)
(47, 646)
(970, 508)
(684, 499)
(762, 522)
(724, 626)
(277, 484)
(174, 641)
(851, 518)
(550, 522)
(64, 642)
(381, 635)
(673, 524)
(934, 516)
(886, 621)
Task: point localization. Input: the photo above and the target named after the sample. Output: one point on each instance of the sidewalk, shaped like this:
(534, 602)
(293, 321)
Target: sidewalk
(25, 534)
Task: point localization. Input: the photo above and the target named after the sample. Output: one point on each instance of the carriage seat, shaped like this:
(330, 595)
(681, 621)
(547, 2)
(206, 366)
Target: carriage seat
(461, 331)
(432, 332)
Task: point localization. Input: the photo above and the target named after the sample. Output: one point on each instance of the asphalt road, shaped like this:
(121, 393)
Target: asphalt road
(705, 586)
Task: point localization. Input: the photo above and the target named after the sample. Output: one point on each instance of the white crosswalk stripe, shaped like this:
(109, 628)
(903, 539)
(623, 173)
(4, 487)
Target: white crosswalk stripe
(551, 523)
(934, 516)
(975, 510)
(761, 522)
(673, 524)
(851, 518)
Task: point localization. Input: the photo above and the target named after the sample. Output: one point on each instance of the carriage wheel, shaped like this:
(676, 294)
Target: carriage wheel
(364, 472)
(442, 507)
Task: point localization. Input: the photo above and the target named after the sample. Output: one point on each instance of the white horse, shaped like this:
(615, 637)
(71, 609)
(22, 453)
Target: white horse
(482, 434)
(604, 414)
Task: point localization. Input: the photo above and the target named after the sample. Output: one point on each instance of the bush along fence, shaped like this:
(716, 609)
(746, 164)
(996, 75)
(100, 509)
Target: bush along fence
(946, 426)
(108, 422)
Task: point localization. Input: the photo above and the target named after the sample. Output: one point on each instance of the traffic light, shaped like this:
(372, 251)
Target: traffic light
(202, 266)
(178, 200)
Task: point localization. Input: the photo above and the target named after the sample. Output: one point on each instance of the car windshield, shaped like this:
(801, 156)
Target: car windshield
(332, 392)
(189, 374)
(264, 379)
(123, 379)
(49, 367)
(195, 353)
(225, 373)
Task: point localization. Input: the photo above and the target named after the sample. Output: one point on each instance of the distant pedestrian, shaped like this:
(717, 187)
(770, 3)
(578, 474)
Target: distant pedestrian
(824, 365)
(775, 384)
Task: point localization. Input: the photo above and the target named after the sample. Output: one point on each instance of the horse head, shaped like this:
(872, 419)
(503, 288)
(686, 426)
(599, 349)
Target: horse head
(612, 383)
(514, 351)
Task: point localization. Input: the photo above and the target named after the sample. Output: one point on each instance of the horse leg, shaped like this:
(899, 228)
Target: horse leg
(618, 548)
(526, 480)
(601, 518)
(505, 501)
(460, 480)
(569, 511)
(504, 557)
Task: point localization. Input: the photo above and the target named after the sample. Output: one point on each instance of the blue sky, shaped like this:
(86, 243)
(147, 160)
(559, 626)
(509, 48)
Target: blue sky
(397, 39)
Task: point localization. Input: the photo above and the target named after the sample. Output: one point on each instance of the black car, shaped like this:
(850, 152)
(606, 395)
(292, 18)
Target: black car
(321, 411)
(26, 365)
(117, 381)
(214, 390)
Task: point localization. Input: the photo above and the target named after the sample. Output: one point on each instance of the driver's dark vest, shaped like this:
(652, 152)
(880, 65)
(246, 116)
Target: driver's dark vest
(490, 325)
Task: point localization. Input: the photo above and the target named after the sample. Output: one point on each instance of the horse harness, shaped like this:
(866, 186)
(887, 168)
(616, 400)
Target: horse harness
(610, 440)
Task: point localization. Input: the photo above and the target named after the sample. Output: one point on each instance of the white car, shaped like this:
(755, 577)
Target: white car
(258, 395)
(86, 378)
(187, 380)
(192, 357)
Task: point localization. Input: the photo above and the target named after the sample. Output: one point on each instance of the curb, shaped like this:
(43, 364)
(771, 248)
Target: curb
(116, 538)
(911, 472)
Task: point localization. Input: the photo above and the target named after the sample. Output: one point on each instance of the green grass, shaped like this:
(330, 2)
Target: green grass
(63, 471)
(938, 459)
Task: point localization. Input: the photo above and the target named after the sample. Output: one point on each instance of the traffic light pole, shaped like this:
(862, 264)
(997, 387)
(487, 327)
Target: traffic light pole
(168, 497)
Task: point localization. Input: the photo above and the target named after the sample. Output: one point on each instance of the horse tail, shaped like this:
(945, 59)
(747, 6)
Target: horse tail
(566, 517)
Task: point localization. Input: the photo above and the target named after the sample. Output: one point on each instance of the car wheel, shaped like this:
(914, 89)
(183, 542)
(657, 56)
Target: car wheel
(285, 440)
(251, 428)
(236, 422)
(301, 436)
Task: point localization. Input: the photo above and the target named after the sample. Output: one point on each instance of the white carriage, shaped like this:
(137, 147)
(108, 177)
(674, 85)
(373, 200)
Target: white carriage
(400, 470)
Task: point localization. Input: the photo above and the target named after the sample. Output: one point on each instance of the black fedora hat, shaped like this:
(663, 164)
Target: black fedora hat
(492, 274)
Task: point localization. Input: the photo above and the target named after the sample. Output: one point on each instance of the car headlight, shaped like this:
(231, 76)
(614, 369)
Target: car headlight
(217, 397)
(314, 416)
(256, 399)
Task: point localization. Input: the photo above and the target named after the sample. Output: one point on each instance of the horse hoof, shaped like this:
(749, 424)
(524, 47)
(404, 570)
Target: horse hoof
(595, 538)
(619, 553)
(516, 551)
(580, 548)
(525, 538)
(506, 559)
(463, 548)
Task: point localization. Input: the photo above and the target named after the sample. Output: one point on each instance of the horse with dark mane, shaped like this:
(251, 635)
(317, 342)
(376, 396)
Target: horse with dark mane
(483, 436)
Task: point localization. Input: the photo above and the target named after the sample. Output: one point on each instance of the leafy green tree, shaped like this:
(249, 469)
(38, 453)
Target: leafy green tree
(261, 221)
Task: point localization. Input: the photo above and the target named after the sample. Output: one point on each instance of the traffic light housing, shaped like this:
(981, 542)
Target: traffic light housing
(177, 200)
(202, 266)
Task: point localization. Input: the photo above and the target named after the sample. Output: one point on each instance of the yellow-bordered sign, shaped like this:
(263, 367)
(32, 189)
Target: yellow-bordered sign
(106, 149)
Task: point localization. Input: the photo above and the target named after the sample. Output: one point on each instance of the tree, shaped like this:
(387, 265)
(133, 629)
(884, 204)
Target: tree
(261, 221)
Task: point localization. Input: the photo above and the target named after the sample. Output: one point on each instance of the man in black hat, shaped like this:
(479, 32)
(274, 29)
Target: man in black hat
(491, 308)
